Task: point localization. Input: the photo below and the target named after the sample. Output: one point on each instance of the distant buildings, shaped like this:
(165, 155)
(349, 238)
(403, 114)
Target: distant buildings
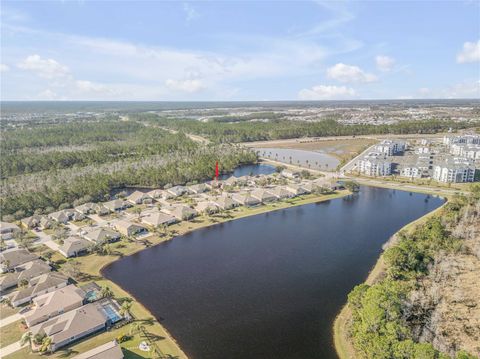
(390, 148)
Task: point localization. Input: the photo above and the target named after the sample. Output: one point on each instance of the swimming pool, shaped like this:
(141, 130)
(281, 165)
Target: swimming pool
(111, 313)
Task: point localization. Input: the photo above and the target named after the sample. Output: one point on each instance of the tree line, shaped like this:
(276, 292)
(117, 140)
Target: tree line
(274, 129)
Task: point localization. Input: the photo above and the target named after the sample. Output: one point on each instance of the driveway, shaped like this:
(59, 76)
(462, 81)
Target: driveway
(10, 319)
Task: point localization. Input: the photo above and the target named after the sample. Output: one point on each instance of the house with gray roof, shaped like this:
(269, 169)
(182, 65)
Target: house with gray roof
(263, 195)
(40, 285)
(8, 230)
(246, 199)
(156, 219)
(224, 202)
(183, 213)
(198, 188)
(31, 222)
(86, 208)
(177, 191)
(101, 235)
(74, 246)
(24, 272)
(73, 325)
(128, 228)
(295, 189)
(116, 205)
(51, 304)
(207, 207)
(281, 192)
(110, 350)
(138, 197)
(59, 216)
(11, 259)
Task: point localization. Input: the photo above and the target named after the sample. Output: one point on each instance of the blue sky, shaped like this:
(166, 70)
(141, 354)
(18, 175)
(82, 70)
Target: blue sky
(239, 50)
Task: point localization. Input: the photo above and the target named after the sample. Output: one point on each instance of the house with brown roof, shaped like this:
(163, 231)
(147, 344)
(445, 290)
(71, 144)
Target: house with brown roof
(207, 207)
(51, 304)
(30, 222)
(59, 216)
(183, 213)
(38, 286)
(224, 202)
(116, 205)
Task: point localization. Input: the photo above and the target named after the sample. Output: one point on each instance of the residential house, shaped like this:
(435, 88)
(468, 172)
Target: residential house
(30, 222)
(224, 202)
(230, 181)
(206, 207)
(197, 188)
(116, 205)
(290, 174)
(281, 192)
(74, 246)
(177, 191)
(86, 208)
(101, 235)
(156, 219)
(40, 285)
(110, 350)
(183, 213)
(296, 189)
(128, 228)
(156, 193)
(8, 230)
(51, 304)
(138, 197)
(59, 216)
(24, 272)
(46, 223)
(74, 324)
(246, 199)
(11, 259)
(263, 195)
(100, 209)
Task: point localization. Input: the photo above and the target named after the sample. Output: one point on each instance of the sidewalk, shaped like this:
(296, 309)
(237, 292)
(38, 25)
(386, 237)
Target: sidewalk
(9, 320)
(12, 348)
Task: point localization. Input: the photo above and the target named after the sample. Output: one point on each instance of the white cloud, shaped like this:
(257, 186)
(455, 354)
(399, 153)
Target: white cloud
(349, 73)
(469, 53)
(384, 63)
(46, 68)
(189, 86)
(424, 91)
(326, 92)
(466, 89)
(4, 68)
(190, 12)
(47, 95)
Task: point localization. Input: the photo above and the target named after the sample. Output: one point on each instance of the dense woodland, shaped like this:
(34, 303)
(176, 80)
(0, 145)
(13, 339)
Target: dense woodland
(230, 131)
(66, 164)
(386, 317)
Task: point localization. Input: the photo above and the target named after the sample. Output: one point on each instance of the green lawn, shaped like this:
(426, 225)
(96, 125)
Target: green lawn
(11, 333)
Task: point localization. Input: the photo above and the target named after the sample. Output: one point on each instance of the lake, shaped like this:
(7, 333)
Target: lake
(267, 286)
(308, 159)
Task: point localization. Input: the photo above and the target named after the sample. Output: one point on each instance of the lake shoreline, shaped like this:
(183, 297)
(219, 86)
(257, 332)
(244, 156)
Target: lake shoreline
(341, 340)
(142, 311)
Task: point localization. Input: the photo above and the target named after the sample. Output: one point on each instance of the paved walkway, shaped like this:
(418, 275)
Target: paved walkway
(52, 245)
(10, 319)
(12, 348)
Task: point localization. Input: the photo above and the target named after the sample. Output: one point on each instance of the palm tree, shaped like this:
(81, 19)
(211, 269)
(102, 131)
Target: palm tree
(26, 338)
(106, 292)
(125, 309)
(46, 342)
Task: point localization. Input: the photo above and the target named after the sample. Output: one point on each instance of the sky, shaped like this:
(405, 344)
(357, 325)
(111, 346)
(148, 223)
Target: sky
(239, 50)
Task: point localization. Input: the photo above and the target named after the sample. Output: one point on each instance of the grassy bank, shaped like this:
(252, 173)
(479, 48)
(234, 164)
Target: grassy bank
(90, 267)
(343, 345)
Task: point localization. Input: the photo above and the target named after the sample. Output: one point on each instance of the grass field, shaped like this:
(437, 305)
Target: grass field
(11, 333)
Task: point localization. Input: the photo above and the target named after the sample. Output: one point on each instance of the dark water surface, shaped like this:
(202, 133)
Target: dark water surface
(267, 286)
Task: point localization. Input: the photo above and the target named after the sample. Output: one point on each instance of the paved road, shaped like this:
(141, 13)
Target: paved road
(10, 319)
(12, 348)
